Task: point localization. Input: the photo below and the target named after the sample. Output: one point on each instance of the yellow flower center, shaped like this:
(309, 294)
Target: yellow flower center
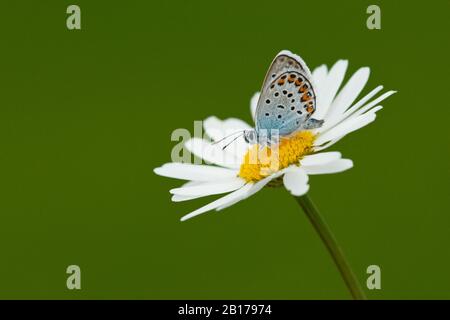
(260, 162)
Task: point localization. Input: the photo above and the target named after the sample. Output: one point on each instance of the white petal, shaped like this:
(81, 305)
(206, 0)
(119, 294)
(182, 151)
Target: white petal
(217, 129)
(255, 188)
(213, 128)
(349, 93)
(254, 104)
(209, 188)
(178, 198)
(364, 111)
(212, 153)
(331, 167)
(326, 145)
(296, 181)
(192, 183)
(344, 128)
(333, 82)
(363, 100)
(235, 124)
(196, 172)
(263, 182)
(320, 158)
(320, 75)
(231, 197)
(237, 148)
(357, 111)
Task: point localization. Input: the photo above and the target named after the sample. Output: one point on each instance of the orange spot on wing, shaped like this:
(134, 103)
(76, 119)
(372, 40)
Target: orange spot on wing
(305, 97)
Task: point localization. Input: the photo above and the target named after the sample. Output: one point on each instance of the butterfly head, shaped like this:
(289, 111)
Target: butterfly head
(251, 136)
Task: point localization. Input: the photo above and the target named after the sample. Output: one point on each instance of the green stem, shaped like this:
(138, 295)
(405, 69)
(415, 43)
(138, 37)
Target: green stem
(333, 248)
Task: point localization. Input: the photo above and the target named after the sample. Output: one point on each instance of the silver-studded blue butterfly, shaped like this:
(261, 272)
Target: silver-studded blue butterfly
(286, 103)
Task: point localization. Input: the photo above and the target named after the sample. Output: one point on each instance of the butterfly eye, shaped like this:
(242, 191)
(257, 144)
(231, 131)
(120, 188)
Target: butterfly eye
(250, 137)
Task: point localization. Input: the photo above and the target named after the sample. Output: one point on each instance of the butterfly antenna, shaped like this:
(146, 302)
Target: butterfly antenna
(226, 137)
(233, 141)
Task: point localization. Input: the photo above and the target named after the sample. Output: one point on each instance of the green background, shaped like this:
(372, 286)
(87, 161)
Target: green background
(86, 115)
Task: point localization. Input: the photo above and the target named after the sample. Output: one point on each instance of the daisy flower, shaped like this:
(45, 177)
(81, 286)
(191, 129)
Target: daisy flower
(291, 95)
(302, 154)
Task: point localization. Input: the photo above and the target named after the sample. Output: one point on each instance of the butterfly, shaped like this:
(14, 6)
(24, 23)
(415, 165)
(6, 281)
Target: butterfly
(286, 103)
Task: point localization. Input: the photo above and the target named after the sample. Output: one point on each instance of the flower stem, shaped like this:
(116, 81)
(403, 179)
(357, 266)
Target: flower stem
(333, 248)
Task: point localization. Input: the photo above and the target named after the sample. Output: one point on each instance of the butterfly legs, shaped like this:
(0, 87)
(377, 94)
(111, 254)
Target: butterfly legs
(312, 123)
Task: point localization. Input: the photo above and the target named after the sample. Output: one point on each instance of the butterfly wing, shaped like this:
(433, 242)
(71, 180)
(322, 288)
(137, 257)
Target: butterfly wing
(287, 97)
